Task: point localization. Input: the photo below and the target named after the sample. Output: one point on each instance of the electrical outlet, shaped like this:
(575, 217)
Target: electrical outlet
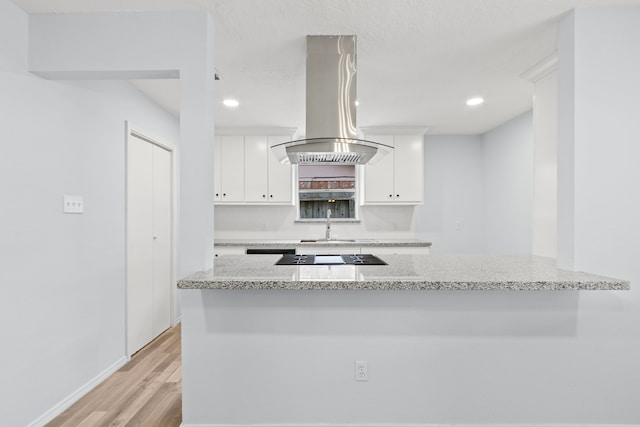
(362, 373)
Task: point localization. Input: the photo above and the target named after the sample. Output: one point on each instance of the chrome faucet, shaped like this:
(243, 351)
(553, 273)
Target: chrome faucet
(328, 230)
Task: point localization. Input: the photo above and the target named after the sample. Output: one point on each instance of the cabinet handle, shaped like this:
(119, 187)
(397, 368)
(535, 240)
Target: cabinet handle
(217, 195)
(224, 194)
(397, 195)
(271, 196)
(263, 196)
(391, 196)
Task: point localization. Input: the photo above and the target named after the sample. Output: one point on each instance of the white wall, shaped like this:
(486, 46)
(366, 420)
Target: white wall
(451, 217)
(507, 186)
(479, 190)
(62, 276)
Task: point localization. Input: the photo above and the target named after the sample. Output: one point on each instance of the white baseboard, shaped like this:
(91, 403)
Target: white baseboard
(405, 425)
(76, 395)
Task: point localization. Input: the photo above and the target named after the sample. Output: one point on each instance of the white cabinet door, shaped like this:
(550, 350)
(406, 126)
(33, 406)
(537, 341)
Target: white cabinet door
(256, 186)
(408, 169)
(231, 169)
(327, 250)
(378, 178)
(229, 250)
(397, 250)
(398, 177)
(280, 188)
(217, 173)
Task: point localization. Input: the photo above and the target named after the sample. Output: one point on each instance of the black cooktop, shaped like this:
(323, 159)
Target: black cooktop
(330, 259)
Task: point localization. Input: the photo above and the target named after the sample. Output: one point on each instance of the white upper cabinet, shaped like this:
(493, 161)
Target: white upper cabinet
(408, 169)
(280, 176)
(378, 178)
(247, 171)
(229, 165)
(399, 177)
(255, 165)
(266, 179)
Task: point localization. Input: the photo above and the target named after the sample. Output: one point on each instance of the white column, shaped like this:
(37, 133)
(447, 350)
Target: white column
(598, 134)
(544, 77)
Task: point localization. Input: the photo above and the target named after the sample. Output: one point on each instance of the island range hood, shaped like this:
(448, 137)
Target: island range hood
(331, 134)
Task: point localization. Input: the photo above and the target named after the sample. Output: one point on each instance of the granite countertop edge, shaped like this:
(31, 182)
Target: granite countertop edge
(402, 285)
(334, 243)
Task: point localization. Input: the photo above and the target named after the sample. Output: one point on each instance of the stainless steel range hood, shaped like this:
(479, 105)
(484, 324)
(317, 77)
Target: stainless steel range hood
(331, 134)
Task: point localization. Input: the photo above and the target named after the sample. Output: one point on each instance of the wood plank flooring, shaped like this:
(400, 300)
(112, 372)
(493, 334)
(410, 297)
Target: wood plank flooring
(147, 391)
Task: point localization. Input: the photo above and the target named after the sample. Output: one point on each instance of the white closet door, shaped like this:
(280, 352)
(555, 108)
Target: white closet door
(139, 243)
(161, 294)
(149, 243)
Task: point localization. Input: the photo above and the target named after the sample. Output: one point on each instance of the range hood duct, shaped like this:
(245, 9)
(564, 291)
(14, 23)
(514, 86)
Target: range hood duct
(331, 134)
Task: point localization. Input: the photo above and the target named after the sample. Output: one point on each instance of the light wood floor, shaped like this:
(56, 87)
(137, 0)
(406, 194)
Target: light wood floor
(147, 391)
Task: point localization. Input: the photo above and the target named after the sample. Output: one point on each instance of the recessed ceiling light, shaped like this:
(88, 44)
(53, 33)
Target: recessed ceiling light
(230, 102)
(357, 103)
(474, 101)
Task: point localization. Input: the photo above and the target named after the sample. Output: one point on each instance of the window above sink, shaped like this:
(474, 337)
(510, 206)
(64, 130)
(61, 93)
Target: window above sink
(323, 187)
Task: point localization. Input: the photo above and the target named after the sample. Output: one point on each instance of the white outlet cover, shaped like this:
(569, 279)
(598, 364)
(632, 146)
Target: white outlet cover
(362, 370)
(73, 204)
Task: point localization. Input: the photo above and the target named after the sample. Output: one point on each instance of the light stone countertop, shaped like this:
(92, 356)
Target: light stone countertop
(257, 243)
(403, 272)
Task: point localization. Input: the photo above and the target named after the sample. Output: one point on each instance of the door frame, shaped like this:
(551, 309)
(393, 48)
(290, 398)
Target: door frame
(135, 131)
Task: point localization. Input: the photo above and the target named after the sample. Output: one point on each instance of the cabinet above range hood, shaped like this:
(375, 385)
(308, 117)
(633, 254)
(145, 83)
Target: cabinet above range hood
(331, 134)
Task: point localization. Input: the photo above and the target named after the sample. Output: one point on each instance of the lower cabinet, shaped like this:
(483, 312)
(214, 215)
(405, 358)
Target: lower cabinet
(319, 250)
(397, 250)
(342, 250)
(374, 250)
(229, 250)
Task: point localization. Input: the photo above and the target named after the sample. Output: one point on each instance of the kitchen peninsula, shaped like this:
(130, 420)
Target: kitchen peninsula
(267, 344)
(403, 272)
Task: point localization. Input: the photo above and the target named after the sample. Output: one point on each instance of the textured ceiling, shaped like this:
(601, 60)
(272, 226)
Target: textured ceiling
(418, 60)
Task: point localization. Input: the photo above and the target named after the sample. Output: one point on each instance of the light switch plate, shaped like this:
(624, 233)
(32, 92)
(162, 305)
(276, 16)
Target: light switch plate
(73, 204)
